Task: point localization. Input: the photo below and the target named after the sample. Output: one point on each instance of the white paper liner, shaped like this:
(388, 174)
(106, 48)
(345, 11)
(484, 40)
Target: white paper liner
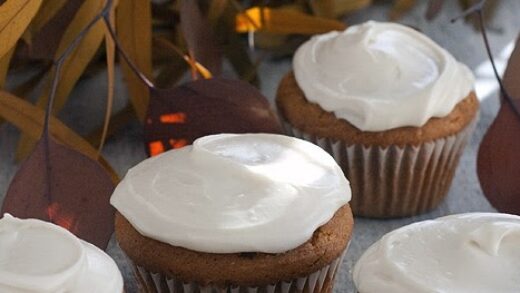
(395, 181)
(318, 282)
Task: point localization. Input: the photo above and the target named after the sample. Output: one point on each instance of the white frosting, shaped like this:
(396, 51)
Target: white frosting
(40, 257)
(380, 76)
(233, 193)
(466, 253)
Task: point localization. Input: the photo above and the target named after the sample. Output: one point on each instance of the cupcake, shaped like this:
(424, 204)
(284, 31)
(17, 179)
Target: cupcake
(474, 252)
(235, 212)
(40, 257)
(393, 108)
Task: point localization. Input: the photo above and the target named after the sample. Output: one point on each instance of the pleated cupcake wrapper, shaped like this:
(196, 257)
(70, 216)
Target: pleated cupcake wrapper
(395, 181)
(318, 282)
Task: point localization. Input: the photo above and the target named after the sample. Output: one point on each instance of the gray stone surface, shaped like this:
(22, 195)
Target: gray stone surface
(84, 112)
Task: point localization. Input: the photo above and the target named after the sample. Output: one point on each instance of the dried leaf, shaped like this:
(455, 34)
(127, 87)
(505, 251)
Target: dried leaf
(434, 7)
(199, 37)
(117, 121)
(216, 10)
(110, 56)
(29, 119)
(74, 65)
(62, 186)
(4, 66)
(232, 45)
(490, 7)
(173, 50)
(134, 25)
(337, 8)
(497, 163)
(178, 116)
(45, 41)
(15, 16)
(284, 21)
(401, 7)
(48, 10)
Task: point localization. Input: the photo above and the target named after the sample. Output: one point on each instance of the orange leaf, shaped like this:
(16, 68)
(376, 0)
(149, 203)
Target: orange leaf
(134, 25)
(110, 52)
(15, 16)
(29, 119)
(47, 11)
(74, 65)
(4, 66)
(284, 21)
(337, 8)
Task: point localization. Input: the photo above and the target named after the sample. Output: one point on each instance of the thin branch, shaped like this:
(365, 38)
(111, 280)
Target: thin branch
(125, 56)
(478, 9)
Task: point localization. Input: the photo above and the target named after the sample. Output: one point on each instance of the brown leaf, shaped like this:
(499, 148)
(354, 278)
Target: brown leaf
(62, 186)
(178, 116)
(15, 16)
(117, 121)
(29, 119)
(110, 48)
(337, 8)
(199, 37)
(401, 7)
(434, 7)
(74, 65)
(48, 10)
(4, 66)
(497, 163)
(284, 21)
(232, 45)
(45, 40)
(134, 25)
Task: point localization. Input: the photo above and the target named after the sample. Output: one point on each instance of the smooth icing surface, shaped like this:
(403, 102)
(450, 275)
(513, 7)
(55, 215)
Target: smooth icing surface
(232, 193)
(380, 76)
(40, 257)
(465, 253)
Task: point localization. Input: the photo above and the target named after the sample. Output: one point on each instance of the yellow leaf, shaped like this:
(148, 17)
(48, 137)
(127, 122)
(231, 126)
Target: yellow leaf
(284, 21)
(203, 71)
(15, 16)
(134, 25)
(47, 12)
(337, 8)
(29, 119)
(4, 66)
(74, 64)
(401, 7)
(110, 52)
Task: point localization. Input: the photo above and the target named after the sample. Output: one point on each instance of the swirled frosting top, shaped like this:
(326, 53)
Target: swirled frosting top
(40, 257)
(465, 253)
(232, 193)
(380, 76)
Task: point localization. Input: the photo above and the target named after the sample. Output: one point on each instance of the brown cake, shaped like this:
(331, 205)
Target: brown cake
(311, 118)
(392, 107)
(236, 213)
(246, 269)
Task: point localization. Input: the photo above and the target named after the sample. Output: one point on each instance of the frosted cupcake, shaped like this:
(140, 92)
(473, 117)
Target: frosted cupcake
(235, 213)
(393, 108)
(475, 252)
(40, 257)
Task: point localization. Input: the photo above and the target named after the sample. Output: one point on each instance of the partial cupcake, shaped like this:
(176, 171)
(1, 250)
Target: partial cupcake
(235, 212)
(474, 252)
(393, 108)
(40, 257)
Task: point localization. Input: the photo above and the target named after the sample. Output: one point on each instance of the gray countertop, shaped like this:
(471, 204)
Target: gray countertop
(85, 109)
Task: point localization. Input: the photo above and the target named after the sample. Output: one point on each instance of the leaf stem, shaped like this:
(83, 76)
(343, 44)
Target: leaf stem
(478, 9)
(125, 56)
(58, 63)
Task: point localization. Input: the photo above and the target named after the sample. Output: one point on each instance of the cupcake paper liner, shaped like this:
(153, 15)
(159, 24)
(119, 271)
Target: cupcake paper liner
(321, 281)
(395, 181)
